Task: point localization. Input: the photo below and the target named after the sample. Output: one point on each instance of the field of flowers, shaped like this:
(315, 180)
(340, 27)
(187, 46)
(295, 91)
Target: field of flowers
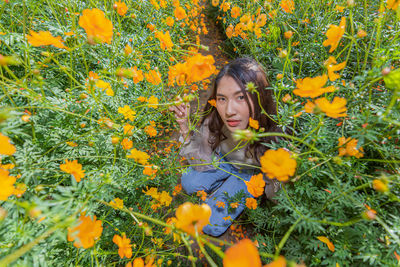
(89, 170)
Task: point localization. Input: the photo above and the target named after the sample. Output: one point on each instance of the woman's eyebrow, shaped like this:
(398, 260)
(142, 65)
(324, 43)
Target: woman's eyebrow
(235, 93)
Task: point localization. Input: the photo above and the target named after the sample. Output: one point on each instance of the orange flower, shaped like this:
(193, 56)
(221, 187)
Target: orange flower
(153, 77)
(227, 218)
(327, 242)
(137, 75)
(278, 164)
(261, 20)
(121, 8)
(251, 203)
(334, 35)
(199, 67)
(73, 168)
(117, 203)
(212, 102)
(192, 218)
(332, 68)
(339, 8)
(380, 186)
(126, 144)
(177, 189)
(220, 204)
(229, 31)
(235, 12)
(393, 4)
(169, 21)
(309, 107)
(225, 6)
(312, 87)
(335, 109)
(98, 28)
(6, 148)
(179, 13)
(165, 40)
(150, 130)
(215, 2)
(288, 34)
(86, 232)
(351, 147)
(254, 123)
(149, 170)
(202, 194)
(127, 112)
(287, 6)
(45, 38)
(256, 185)
(243, 254)
(124, 244)
(138, 156)
(234, 205)
(6, 184)
(279, 262)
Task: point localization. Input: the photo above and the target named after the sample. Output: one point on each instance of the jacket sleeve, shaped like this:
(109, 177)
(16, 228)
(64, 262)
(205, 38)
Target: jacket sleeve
(197, 150)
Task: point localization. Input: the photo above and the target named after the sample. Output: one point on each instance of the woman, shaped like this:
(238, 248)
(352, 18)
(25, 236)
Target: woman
(238, 90)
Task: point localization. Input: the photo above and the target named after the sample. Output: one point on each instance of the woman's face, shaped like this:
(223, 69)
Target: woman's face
(231, 104)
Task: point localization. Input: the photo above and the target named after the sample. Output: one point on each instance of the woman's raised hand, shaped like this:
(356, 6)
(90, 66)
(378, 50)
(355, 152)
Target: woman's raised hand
(181, 111)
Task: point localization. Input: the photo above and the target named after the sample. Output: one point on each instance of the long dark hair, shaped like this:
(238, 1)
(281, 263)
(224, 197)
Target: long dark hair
(243, 71)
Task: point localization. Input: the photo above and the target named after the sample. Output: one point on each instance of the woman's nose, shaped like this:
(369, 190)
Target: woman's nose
(230, 109)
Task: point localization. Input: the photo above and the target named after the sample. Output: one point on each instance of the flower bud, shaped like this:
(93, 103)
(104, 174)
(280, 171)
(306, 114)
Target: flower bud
(245, 135)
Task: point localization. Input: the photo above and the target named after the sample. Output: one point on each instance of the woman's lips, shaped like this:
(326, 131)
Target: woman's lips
(233, 123)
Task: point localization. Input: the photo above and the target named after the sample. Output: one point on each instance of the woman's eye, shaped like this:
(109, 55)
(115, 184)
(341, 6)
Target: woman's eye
(241, 97)
(220, 99)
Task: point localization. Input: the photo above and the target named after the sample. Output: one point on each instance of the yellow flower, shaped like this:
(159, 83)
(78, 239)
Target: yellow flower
(279, 262)
(380, 186)
(215, 2)
(87, 231)
(128, 49)
(153, 101)
(332, 68)
(137, 75)
(287, 6)
(98, 28)
(261, 20)
(73, 168)
(127, 112)
(327, 242)
(339, 8)
(312, 87)
(361, 33)
(6, 184)
(179, 13)
(335, 109)
(165, 198)
(117, 203)
(45, 38)
(278, 164)
(256, 184)
(234, 205)
(128, 129)
(6, 148)
(138, 156)
(251, 203)
(124, 246)
(192, 218)
(334, 34)
(243, 254)
(169, 21)
(121, 8)
(165, 40)
(393, 4)
(254, 123)
(309, 107)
